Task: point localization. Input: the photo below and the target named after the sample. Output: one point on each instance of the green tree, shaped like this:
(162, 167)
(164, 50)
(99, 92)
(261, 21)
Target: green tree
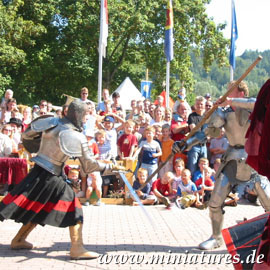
(50, 47)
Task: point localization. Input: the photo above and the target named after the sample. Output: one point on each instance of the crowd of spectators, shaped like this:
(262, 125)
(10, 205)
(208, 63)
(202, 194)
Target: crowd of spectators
(145, 134)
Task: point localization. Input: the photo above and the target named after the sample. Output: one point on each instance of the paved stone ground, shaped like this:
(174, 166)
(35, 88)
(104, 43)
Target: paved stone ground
(125, 231)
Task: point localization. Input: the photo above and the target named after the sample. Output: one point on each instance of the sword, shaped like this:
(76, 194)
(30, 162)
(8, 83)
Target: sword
(135, 196)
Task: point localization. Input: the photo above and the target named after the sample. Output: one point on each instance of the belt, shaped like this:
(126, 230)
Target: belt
(237, 146)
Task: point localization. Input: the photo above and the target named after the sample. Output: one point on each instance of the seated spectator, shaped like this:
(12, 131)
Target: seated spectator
(187, 194)
(94, 183)
(203, 165)
(127, 142)
(5, 141)
(162, 188)
(218, 146)
(144, 194)
(205, 186)
(166, 146)
(73, 179)
(178, 168)
(150, 151)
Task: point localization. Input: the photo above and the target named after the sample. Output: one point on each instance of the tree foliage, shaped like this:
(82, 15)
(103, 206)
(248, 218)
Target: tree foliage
(50, 47)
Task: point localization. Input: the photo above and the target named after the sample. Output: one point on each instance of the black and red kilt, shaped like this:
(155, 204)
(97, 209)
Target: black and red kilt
(44, 199)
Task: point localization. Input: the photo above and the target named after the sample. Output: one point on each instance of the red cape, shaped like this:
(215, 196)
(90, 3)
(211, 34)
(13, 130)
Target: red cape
(258, 135)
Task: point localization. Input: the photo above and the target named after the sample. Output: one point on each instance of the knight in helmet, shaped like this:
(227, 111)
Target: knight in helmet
(44, 197)
(233, 115)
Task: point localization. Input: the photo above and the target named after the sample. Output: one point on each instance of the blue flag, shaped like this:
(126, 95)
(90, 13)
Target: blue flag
(169, 32)
(146, 89)
(234, 36)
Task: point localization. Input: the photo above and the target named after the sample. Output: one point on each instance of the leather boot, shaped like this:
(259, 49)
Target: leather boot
(77, 251)
(18, 242)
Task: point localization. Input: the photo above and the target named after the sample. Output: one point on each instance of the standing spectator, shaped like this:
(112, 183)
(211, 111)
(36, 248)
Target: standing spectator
(152, 110)
(144, 194)
(199, 150)
(166, 146)
(134, 111)
(49, 108)
(160, 101)
(127, 142)
(150, 151)
(168, 116)
(101, 105)
(116, 106)
(146, 104)
(5, 141)
(208, 105)
(181, 98)
(16, 126)
(5, 114)
(27, 118)
(84, 95)
(111, 134)
(159, 115)
(218, 146)
(179, 124)
(35, 111)
(8, 96)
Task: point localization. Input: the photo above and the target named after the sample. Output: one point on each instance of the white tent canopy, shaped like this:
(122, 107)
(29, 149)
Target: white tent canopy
(128, 91)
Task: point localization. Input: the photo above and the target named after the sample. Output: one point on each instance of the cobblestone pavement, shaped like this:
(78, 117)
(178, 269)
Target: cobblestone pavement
(125, 231)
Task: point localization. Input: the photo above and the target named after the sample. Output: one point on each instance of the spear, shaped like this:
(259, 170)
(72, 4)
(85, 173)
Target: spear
(206, 116)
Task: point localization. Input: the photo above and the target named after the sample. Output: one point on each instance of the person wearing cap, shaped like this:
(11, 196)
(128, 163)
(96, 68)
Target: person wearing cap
(181, 97)
(111, 133)
(16, 126)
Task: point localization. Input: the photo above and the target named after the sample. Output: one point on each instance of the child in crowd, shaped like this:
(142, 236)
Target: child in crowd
(111, 134)
(144, 194)
(136, 130)
(103, 146)
(127, 142)
(205, 189)
(166, 146)
(150, 151)
(162, 188)
(94, 182)
(187, 194)
(158, 133)
(178, 168)
(73, 179)
(105, 155)
(218, 146)
(203, 164)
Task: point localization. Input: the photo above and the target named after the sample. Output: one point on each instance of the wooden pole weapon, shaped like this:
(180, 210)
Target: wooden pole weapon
(206, 116)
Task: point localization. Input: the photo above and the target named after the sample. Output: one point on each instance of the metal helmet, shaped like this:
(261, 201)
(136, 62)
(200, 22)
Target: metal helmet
(76, 111)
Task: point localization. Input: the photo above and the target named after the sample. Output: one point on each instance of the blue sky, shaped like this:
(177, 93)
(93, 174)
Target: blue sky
(253, 21)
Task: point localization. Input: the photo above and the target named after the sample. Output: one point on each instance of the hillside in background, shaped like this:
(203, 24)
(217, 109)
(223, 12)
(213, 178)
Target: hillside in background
(215, 81)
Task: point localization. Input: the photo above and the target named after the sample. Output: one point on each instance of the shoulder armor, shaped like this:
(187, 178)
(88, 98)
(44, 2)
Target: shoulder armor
(71, 142)
(42, 124)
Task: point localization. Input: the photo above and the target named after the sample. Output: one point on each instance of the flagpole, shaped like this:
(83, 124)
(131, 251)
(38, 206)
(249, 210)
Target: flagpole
(100, 49)
(167, 84)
